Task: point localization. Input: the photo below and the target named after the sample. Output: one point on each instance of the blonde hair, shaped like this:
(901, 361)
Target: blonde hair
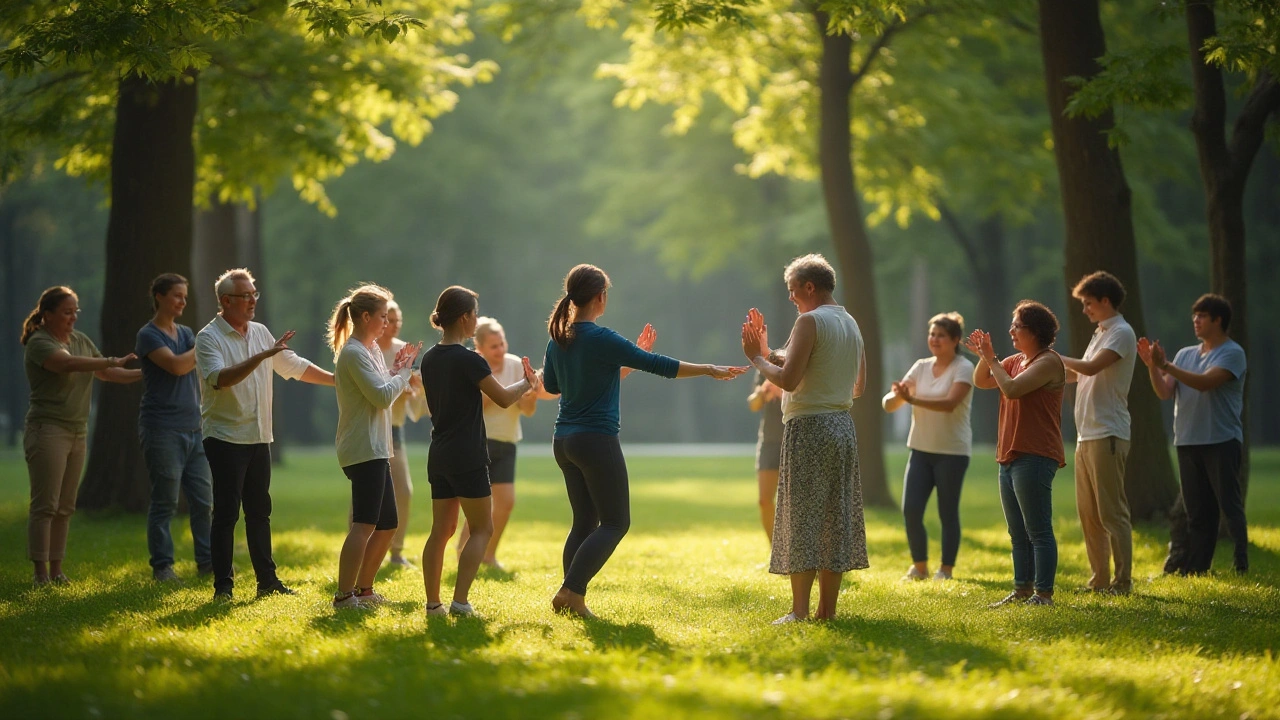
(226, 281)
(367, 298)
(485, 327)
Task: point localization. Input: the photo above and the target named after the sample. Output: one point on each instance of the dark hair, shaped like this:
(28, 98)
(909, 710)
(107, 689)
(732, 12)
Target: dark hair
(1100, 285)
(951, 322)
(452, 304)
(1216, 306)
(1039, 320)
(582, 284)
(812, 268)
(49, 301)
(163, 284)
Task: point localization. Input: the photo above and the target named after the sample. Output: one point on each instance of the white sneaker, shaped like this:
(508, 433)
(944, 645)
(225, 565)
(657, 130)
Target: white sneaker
(437, 609)
(350, 601)
(914, 574)
(371, 597)
(941, 575)
(786, 619)
(461, 609)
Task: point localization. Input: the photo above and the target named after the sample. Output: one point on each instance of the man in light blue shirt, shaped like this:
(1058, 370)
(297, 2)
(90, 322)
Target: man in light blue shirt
(1207, 384)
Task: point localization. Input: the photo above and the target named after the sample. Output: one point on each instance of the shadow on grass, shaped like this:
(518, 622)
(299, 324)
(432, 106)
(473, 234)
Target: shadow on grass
(607, 635)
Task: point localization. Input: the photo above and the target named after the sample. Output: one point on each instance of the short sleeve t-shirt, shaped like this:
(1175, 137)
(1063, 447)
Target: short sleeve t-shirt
(504, 423)
(1207, 418)
(944, 433)
(1102, 401)
(451, 375)
(168, 401)
(58, 398)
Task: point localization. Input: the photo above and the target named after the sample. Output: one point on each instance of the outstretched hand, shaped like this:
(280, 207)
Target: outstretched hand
(647, 337)
(979, 343)
(755, 335)
(530, 375)
(282, 343)
(405, 357)
(726, 372)
(1144, 351)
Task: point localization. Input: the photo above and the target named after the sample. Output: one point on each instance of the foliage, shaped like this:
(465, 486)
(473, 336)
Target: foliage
(685, 608)
(301, 90)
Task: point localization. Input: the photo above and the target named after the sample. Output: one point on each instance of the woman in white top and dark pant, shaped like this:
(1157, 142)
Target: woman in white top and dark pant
(502, 431)
(939, 390)
(365, 391)
(818, 526)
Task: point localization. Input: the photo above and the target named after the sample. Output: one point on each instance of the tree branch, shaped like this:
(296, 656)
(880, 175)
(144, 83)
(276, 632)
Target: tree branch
(883, 40)
(1208, 120)
(1251, 124)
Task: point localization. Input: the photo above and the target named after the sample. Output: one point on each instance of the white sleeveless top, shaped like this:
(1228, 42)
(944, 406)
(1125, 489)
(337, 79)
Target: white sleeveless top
(827, 385)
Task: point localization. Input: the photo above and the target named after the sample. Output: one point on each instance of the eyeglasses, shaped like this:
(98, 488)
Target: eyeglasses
(244, 296)
(1017, 326)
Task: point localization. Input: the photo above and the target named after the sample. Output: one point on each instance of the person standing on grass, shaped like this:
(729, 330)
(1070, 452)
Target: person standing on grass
(366, 389)
(1206, 382)
(939, 390)
(1029, 443)
(232, 354)
(819, 531)
(766, 399)
(61, 363)
(458, 462)
(1102, 380)
(408, 407)
(169, 429)
(502, 430)
(585, 364)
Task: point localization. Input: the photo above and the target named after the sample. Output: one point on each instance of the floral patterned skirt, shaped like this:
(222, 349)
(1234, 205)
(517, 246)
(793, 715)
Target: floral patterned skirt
(818, 524)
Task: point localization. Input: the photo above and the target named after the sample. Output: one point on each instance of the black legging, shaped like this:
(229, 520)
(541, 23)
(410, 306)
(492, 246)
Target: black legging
(925, 471)
(595, 476)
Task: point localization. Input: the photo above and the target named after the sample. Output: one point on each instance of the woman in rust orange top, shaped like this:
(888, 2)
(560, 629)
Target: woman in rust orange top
(1029, 443)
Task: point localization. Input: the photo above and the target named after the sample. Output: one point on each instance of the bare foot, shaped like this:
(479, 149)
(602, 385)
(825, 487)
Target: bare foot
(568, 601)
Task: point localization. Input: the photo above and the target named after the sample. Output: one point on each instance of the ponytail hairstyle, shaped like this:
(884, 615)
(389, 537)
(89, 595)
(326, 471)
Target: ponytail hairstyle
(367, 298)
(49, 301)
(452, 304)
(582, 284)
(952, 323)
(162, 285)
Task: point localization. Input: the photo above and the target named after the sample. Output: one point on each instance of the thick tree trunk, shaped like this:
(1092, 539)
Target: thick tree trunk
(1099, 230)
(853, 249)
(149, 232)
(1264, 256)
(11, 317)
(1224, 169)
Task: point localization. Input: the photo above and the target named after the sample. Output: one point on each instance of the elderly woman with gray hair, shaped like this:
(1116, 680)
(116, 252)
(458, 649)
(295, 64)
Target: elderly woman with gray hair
(818, 525)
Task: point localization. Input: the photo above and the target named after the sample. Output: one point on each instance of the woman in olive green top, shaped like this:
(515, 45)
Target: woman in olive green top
(58, 361)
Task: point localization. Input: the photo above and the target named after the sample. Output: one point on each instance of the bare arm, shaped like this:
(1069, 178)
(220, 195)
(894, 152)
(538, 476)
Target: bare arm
(1042, 371)
(317, 376)
(982, 377)
(173, 364)
(1103, 360)
(959, 391)
(505, 397)
(235, 374)
(120, 376)
(860, 384)
(794, 365)
(1162, 383)
(528, 403)
(64, 362)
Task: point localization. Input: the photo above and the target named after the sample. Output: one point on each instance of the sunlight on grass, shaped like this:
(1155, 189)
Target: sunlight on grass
(685, 604)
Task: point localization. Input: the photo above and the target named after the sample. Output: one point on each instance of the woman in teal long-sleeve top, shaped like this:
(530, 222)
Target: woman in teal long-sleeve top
(585, 364)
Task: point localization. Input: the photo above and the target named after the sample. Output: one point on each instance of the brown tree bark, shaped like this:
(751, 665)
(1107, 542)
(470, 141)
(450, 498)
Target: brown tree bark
(836, 80)
(149, 232)
(1096, 204)
(1224, 170)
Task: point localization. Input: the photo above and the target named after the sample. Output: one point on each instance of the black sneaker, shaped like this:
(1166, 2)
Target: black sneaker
(223, 595)
(166, 575)
(276, 588)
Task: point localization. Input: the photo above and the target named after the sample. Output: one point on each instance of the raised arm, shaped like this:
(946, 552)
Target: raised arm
(755, 346)
(235, 374)
(505, 397)
(1162, 383)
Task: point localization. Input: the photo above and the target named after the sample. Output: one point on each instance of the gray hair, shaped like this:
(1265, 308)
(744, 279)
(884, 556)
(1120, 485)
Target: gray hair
(485, 327)
(812, 268)
(226, 281)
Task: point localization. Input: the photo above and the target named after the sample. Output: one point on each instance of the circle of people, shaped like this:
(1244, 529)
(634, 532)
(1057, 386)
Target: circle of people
(205, 428)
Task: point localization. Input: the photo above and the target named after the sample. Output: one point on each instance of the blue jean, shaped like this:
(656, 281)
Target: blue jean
(1026, 493)
(925, 471)
(175, 459)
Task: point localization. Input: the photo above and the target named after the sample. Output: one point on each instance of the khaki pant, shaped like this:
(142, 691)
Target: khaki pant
(1104, 510)
(55, 457)
(403, 484)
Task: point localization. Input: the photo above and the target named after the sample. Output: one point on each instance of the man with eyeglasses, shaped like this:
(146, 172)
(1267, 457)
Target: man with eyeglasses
(1206, 382)
(236, 382)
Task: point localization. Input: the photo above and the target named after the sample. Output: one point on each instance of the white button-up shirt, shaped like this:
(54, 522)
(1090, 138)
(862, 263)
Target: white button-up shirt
(240, 414)
(1102, 401)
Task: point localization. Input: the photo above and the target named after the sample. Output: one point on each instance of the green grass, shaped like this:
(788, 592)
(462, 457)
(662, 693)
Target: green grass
(686, 606)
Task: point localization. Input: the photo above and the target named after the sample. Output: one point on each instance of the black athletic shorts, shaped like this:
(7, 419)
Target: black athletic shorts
(470, 484)
(373, 497)
(502, 462)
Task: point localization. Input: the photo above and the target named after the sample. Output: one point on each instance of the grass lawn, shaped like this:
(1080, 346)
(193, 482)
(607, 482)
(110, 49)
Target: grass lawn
(685, 603)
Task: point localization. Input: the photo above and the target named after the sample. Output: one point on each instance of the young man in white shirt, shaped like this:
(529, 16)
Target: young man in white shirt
(1102, 380)
(231, 355)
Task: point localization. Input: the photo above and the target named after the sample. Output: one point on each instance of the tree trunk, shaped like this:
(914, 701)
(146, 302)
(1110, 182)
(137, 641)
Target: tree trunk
(853, 249)
(11, 317)
(1099, 230)
(149, 232)
(1264, 209)
(1224, 169)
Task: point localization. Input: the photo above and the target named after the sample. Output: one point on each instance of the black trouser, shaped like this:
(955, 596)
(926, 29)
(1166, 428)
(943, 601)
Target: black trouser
(595, 476)
(241, 473)
(925, 471)
(1210, 487)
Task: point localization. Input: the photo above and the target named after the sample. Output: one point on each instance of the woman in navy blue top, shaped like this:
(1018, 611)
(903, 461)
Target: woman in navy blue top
(585, 364)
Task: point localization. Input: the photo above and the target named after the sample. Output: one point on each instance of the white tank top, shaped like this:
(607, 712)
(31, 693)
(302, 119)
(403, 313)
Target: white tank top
(827, 385)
